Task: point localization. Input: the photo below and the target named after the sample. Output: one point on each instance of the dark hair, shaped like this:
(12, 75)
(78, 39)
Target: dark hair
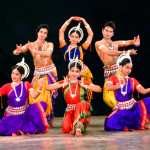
(78, 65)
(76, 32)
(124, 62)
(110, 24)
(42, 26)
(19, 68)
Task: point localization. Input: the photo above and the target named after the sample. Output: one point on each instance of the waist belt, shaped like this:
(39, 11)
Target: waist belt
(16, 110)
(125, 105)
(45, 69)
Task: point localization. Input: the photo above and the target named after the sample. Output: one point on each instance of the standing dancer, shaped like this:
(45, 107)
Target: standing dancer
(78, 110)
(70, 52)
(108, 52)
(21, 118)
(41, 51)
(127, 114)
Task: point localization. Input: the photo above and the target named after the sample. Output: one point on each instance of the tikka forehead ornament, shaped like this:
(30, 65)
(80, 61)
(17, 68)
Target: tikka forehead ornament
(123, 56)
(77, 28)
(75, 61)
(25, 66)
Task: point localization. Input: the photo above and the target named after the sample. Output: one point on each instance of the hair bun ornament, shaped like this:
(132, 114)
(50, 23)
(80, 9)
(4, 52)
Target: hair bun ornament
(25, 66)
(76, 60)
(77, 28)
(123, 56)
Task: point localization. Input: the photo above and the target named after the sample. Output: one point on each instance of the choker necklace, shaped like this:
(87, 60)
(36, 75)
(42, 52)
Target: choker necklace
(73, 95)
(109, 44)
(123, 92)
(74, 52)
(41, 48)
(18, 98)
(73, 81)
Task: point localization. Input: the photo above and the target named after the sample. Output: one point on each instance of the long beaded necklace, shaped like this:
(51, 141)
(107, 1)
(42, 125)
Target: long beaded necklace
(123, 92)
(73, 95)
(18, 98)
(74, 52)
(109, 44)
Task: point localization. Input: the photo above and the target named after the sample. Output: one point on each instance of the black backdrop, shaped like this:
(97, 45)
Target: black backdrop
(19, 19)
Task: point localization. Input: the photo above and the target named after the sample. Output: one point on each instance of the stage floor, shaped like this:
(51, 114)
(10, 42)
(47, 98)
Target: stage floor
(95, 138)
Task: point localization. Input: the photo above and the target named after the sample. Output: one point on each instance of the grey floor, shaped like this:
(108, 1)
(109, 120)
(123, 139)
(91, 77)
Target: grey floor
(95, 138)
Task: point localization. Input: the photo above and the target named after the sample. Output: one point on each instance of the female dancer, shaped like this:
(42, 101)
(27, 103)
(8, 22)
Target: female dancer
(127, 114)
(21, 118)
(70, 52)
(78, 110)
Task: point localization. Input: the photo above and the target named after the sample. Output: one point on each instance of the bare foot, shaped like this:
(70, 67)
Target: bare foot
(51, 123)
(78, 132)
(147, 126)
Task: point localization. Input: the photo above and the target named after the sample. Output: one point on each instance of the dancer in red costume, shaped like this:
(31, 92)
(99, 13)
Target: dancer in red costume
(78, 110)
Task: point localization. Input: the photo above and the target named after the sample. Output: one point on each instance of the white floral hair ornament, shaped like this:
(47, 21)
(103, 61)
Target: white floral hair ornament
(25, 66)
(77, 28)
(76, 60)
(123, 56)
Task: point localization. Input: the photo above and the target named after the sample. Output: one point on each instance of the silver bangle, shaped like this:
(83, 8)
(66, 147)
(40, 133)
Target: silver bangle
(63, 85)
(39, 90)
(86, 87)
(66, 23)
(33, 51)
(87, 26)
(16, 53)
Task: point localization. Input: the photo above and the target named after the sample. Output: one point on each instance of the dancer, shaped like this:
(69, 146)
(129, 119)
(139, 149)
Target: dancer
(108, 52)
(78, 110)
(21, 118)
(41, 51)
(70, 52)
(127, 114)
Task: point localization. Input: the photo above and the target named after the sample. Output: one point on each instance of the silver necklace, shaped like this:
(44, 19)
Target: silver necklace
(18, 98)
(123, 92)
(73, 81)
(109, 44)
(74, 53)
(73, 95)
(42, 47)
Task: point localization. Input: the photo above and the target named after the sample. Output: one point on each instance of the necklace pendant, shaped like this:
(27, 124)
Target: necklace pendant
(73, 95)
(17, 99)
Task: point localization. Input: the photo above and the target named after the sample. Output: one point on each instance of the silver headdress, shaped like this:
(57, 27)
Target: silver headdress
(77, 28)
(123, 56)
(75, 61)
(25, 66)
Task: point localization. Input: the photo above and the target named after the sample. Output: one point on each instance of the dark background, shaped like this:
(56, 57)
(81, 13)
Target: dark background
(20, 18)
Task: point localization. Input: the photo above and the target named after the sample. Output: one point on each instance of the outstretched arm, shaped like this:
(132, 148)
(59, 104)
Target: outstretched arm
(135, 41)
(111, 87)
(20, 49)
(105, 50)
(93, 87)
(89, 30)
(57, 86)
(143, 91)
(63, 28)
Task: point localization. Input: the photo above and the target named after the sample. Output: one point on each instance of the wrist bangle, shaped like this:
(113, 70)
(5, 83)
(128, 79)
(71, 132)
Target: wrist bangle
(66, 23)
(39, 90)
(16, 53)
(63, 85)
(86, 87)
(33, 51)
(121, 86)
(87, 26)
